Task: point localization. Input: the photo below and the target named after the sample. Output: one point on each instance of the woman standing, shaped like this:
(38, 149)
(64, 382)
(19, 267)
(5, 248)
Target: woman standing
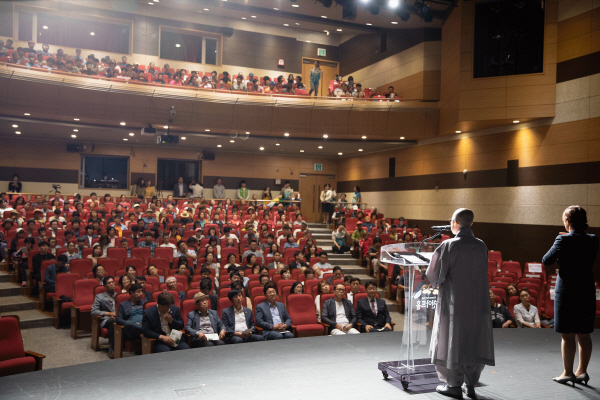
(575, 300)
(315, 77)
(15, 185)
(266, 194)
(150, 190)
(327, 198)
(356, 197)
(139, 189)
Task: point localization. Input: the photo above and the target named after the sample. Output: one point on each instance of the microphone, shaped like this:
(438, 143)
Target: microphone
(442, 228)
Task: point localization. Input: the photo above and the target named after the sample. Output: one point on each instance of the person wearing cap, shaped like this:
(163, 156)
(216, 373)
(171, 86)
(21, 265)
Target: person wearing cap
(137, 210)
(16, 218)
(148, 242)
(203, 321)
(149, 218)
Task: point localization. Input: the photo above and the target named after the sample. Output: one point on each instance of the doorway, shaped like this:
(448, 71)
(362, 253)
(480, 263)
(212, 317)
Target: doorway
(330, 70)
(310, 193)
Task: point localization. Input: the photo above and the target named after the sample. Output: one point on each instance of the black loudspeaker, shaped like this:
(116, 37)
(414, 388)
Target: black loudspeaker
(512, 173)
(392, 167)
(72, 148)
(383, 42)
(208, 156)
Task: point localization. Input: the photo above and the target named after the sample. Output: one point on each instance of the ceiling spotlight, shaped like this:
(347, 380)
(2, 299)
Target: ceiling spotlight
(401, 137)
(286, 134)
(207, 130)
(295, 5)
(276, 9)
(45, 26)
(394, 23)
(364, 137)
(206, 9)
(232, 141)
(125, 139)
(262, 148)
(323, 16)
(297, 23)
(247, 133)
(394, 3)
(368, 24)
(75, 130)
(92, 34)
(360, 149)
(286, 24)
(75, 119)
(339, 30)
(320, 147)
(73, 136)
(166, 127)
(277, 144)
(177, 45)
(514, 122)
(308, 41)
(131, 133)
(219, 145)
(326, 31)
(18, 132)
(27, 114)
(340, 153)
(15, 126)
(325, 136)
(458, 131)
(243, 17)
(301, 151)
(253, 16)
(151, 3)
(123, 123)
(183, 138)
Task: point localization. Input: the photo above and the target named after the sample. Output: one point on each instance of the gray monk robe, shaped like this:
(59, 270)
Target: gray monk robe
(462, 332)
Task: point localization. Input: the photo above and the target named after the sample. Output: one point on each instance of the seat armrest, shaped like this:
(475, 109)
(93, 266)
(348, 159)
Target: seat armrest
(96, 332)
(147, 345)
(55, 312)
(294, 330)
(39, 358)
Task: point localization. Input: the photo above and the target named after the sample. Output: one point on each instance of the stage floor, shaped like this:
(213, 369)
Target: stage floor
(309, 368)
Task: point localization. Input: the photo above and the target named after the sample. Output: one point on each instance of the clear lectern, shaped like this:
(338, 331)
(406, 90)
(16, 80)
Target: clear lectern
(420, 300)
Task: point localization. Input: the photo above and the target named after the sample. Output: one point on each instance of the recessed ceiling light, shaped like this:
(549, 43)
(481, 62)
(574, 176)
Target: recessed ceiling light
(151, 3)
(123, 123)
(286, 134)
(45, 26)
(276, 9)
(232, 141)
(73, 136)
(131, 133)
(262, 148)
(18, 132)
(92, 34)
(206, 9)
(295, 5)
(326, 136)
(297, 23)
(340, 153)
(75, 130)
(247, 133)
(177, 45)
(15, 126)
(243, 17)
(339, 30)
(75, 119)
(394, 3)
(364, 137)
(394, 23)
(286, 24)
(323, 16)
(401, 137)
(308, 41)
(207, 130)
(253, 16)
(458, 131)
(301, 151)
(219, 145)
(277, 144)
(183, 138)
(166, 127)
(360, 150)
(369, 24)
(125, 139)
(515, 122)
(320, 147)
(27, 114)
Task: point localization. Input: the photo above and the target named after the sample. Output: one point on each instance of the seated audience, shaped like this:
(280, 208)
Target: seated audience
(272, 316)
(338, 312)
(501, 317)
(204, 321)
(337, 274)
(354, 284)
(104, 307)
(141, 280)
(372, 312)
(59, 266)
(172, 285)
(159, 321)
(526, 313)
(130, 313)
(238, 321)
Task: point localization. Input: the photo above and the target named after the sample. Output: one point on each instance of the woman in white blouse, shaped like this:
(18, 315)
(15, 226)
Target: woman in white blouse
(327, 198)
(526, 314)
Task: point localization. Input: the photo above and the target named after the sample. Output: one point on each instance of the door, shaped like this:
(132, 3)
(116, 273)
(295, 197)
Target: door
(330, 70)
(310, 193)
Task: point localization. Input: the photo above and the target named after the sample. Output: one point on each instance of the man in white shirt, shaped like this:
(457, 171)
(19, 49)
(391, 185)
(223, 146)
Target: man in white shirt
(219, 190)
(323, 264)
(227, 234)
(254, 250)
(197, 190)
(238, 321)
(338, 312)
(239, 84)
(354, 289)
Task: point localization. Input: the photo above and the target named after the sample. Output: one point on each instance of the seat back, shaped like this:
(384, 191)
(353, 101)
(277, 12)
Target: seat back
(111, 265)
(511, 266)
(153, 280)
(324, 297)
(190, 293)
(83, 292)
(138, 263)
(143, 252)
(64, 284)
(118, 253)
(549, 304)
(46, 264)
(256, 291)
(301, 309)
(500, 292)
(308, 284)
(11, 342)
(284, 282)
(224, 302)
(186, 306)
(164, 252)
(284, 292)
(160, 263)
(81, 266)
(495, 256)
(492, 267)
(121, 297)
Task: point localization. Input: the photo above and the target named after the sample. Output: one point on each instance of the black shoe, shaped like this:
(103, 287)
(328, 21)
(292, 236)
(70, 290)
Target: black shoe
(583, 378)
(449, 391)
(469, 391)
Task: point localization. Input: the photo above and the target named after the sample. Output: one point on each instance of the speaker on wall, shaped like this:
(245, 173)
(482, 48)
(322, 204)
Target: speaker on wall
(208, 156)
(73, 148)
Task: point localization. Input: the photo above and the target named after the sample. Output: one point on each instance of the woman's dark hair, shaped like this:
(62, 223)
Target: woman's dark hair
(129, 267)
(241, 183)
(182, 261)
(294, 286)
(249, 257)
(17, 175)
(524, 290)
(577, 216)
(357, 189)
(95, 269)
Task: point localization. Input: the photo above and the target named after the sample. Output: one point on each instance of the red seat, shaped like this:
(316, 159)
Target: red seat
(83, 298)
(308, 285)
(495, 256)
(63, 287)
(13, 357)
(511, 266)
(164, 252)
(160, 263)
(514, 300)
(118, 253)
(173, 292)
(187, 306)
(143, 252)
(111, 265)
(301, 309)
(500, 292)
(492, 267)
(549, 305)
(81, 266)
(502, 279)
(190, 293)
(138, 263)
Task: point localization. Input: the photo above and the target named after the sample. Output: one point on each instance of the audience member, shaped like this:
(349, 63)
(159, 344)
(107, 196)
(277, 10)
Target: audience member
(203, 322)
(339, 314)
(104, 307)
(272, 316)
(501, 317)
(159, 321)
(372, 312)
(131, 314)
(238, 321)
(526, 314)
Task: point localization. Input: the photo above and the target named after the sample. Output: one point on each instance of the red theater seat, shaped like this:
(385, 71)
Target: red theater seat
(301, 308)
(83, 298)
(13, 357)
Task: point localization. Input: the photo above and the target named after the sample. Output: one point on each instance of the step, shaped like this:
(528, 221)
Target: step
(4, 277)
(32, 319)
(317, 225)
(9, 289)
(16, 303)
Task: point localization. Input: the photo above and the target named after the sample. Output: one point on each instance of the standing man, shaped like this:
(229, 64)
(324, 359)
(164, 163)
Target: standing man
(179, 190)
(462, 342)
(218, 190)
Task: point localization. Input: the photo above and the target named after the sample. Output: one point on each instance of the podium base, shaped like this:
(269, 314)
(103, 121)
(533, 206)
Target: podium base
(422, 374)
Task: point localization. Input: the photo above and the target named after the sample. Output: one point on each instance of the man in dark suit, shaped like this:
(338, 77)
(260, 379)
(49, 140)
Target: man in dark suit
(159, 321)
(202, 322)
(131, 312)
(180, 189)
(342, 324)
(141, 280)
(372, 312)
(238, 321)
(298, 261)
(89, 235)
(272, 316)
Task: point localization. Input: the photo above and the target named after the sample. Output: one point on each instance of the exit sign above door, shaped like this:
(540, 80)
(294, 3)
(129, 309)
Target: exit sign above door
(318, 167)
(321, 52)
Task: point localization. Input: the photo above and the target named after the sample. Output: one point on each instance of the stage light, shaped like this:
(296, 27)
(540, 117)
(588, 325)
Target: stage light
(401, 137)
(177, 45)
(166, 127)
(206, 9)
(286, 134)
(123, 123)
(394, 23)
(295, 5)
(18, 132)
(27, 114)
(45, 27)
(393, 3)
(183, 138)
(301, 151)
(286, 24)
(340, 153)
(364, 137)
(15, 126)
(368, 24)
(232, 141)
(320, 147)
(207, 130)
(297, 23)
(423, 11)
(360, 149)
(125, 139)
(75, 119)
(131, 133)
(276, 9)
(253, 16)
(73, 136)
(339, 30)
(92, 33)
(514, 122)
(75, 130)
(325, 136)
(277, 144)
(219, 145)
(402, 13)
(458, 131)
(262, 148)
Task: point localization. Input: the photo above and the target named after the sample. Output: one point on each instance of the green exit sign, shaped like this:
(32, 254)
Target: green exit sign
(321, 52)
(318, 167)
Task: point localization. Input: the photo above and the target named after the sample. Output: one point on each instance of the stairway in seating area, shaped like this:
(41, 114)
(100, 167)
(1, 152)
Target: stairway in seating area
(12, 302)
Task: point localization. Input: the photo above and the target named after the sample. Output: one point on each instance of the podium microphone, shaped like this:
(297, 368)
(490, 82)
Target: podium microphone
(442, 228)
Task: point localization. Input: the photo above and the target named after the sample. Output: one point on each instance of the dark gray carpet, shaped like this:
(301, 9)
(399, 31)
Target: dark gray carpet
(311, 368)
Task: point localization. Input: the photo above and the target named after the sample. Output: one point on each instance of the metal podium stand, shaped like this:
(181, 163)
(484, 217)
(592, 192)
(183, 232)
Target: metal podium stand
(419, 307)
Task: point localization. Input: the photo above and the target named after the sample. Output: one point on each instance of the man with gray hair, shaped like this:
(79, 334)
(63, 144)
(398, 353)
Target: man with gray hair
(462, 341)
(171, 282)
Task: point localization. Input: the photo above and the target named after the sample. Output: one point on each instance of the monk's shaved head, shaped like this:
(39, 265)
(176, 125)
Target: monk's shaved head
(463, 217)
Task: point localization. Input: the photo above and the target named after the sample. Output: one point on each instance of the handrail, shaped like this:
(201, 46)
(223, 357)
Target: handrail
(64, 78)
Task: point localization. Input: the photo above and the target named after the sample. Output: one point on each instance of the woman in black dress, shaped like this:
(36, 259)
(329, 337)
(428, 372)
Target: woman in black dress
(575, 299)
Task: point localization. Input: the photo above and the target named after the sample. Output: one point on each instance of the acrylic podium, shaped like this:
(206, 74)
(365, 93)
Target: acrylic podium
(420, 300)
